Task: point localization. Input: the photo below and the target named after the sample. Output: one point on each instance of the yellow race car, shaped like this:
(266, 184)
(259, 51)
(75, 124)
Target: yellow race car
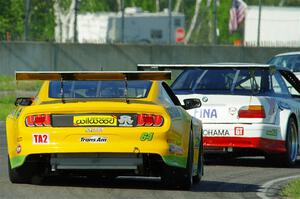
(108, 123)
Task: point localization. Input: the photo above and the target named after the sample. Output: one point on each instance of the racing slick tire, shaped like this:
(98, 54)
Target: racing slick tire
(290, 156)
(27, 173)
(287, 159)
(200, 167)
(178, 177)
(18, 175)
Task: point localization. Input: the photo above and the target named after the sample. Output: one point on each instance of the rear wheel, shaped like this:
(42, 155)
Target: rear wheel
(27, 173)
(290, 156)
(178, 177)
(291, 143)
(17, 175)
(197, 178)
(186, 178)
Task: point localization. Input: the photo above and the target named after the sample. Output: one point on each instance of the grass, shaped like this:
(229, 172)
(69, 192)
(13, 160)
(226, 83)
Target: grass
(7, 105)
(10, 89)
(292, 190)
(8, 83)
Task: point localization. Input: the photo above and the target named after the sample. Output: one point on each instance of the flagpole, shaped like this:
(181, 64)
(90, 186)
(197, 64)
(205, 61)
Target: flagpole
(258, 26)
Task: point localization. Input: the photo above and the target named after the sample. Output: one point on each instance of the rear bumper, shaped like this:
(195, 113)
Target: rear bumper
(227, 137)
(230, 143)
(110, 141)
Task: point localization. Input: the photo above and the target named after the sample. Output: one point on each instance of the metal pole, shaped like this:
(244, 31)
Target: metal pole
(215, 23)
(123, 21)
(75, 22)
(170, 21)
(26, 22)
(258, 26)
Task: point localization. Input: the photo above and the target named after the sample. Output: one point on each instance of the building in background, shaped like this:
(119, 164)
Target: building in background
(280, 26)
(139, 27)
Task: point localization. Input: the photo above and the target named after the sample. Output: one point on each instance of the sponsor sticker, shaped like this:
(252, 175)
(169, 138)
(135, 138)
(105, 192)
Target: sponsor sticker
(232, 110)
(216, 132)
(93, 129)
(94, 139)
(272, 105)
(205, 113)
(239, 131)
(175, 149)
(125, 120)
(95, 120)
(40, 138)
(271, 132)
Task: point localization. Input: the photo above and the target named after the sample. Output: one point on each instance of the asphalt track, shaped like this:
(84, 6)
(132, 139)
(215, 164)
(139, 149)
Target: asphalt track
(234, 178)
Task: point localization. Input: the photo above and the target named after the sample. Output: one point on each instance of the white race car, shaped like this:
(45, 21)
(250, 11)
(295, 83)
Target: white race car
(246, 108)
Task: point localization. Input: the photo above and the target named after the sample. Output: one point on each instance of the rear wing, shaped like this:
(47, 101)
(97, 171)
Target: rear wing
(93, 75)
(162, 67)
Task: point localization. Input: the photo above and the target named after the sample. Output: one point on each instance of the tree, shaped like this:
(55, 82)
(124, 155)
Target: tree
(64, 20)
(11, 20)
(41, 20)
(193, 22)
(177, 5)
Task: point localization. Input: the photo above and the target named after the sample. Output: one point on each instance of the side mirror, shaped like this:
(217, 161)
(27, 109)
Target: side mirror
(191, 103)
(23, 101)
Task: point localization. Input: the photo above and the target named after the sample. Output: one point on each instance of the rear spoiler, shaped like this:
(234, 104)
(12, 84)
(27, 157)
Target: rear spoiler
(92, 75)
(162, 67)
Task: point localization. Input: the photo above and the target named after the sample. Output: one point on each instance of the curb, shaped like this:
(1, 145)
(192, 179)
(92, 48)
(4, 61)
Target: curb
(271, 189)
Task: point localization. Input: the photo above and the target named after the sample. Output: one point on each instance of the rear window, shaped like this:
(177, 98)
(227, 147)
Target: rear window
(240, 81)
(99, 89)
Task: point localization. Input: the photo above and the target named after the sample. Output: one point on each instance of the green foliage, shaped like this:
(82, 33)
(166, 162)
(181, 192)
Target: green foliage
(8, 83)
(7, 105)
(11, 19)
(292, 190)
(41, 20)
(96, 6)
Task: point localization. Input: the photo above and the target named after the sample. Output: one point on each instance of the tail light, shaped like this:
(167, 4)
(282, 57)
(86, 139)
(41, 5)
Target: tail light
(256, 111)
(38, 120)
(149, 120)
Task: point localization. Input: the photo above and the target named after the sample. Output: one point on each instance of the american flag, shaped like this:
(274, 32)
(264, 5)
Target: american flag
(237, 14)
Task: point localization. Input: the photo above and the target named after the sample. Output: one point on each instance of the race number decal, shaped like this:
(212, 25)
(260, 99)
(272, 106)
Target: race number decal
(239, 131)
(40, 139)
(146, 136)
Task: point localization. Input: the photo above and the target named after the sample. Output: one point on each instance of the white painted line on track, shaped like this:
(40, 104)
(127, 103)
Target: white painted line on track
(262, 192)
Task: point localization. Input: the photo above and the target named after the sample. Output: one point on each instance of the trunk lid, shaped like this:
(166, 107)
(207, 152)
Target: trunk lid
(225, 108)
